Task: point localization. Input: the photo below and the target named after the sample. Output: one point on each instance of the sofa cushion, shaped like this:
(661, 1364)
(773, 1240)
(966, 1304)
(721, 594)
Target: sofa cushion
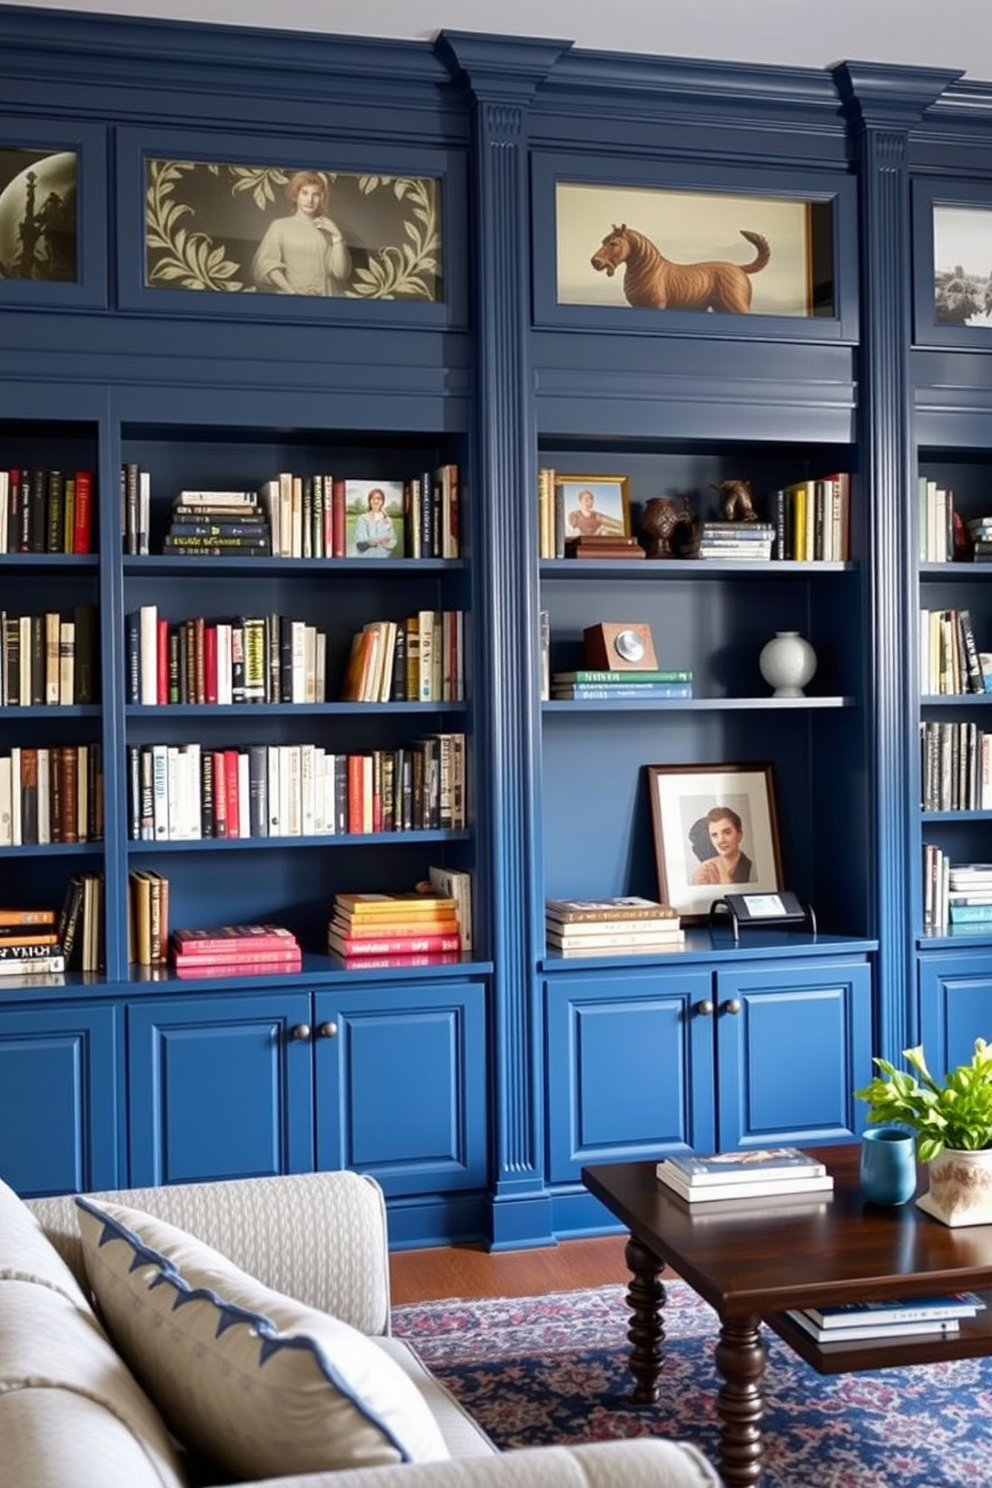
(70, 1409)
(26, 1253)
(258, 1381)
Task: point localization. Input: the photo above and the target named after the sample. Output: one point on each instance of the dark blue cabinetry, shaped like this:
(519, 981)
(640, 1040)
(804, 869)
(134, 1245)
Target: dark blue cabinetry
(475, 1092)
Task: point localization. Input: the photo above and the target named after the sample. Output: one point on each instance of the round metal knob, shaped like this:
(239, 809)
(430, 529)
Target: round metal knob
(704, 1008)
(327, 1030)
(300, 1032)
(733, 1005)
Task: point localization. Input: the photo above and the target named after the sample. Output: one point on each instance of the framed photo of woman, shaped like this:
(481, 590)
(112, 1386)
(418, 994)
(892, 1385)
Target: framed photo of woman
(594, 505)
(715, 831)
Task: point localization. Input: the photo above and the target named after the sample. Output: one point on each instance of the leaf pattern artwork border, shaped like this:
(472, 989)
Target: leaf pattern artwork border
(281, 230)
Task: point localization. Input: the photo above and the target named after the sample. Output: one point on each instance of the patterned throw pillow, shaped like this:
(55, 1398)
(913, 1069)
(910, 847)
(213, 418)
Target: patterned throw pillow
(259, 1382)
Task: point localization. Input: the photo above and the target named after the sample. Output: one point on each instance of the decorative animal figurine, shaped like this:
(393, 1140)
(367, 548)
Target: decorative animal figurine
(671, 530)
(738, 503)
(653, 281)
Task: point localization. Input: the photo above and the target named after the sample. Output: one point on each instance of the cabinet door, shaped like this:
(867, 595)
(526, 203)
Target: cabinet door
(793, 1044)
(221, 1087)
(629, 1067)
(955, 1006)
(401, 1085)
(58, 1099)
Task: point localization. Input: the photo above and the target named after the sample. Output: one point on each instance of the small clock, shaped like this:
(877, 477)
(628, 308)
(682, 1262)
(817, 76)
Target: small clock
(619, 646)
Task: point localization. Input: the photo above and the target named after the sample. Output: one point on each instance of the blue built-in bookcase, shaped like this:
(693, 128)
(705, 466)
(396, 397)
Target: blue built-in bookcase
(473, 181)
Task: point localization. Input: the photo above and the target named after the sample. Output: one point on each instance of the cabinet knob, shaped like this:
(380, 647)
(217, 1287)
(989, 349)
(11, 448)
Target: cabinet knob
(732, 1005)
(327, 1030)
(300, 1032)
(704, 1008)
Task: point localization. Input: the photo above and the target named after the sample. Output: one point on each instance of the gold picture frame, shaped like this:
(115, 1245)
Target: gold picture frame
(594, 505)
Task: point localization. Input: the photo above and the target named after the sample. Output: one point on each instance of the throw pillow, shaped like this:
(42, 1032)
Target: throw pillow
(262, 1384)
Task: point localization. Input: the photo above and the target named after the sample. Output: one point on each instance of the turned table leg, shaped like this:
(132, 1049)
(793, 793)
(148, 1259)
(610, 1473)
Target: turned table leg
(645, 1332)
(740, 1358)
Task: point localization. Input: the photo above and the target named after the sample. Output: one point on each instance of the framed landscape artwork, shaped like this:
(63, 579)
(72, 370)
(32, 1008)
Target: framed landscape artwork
(715, 831)
(952, 264)
(53, 196)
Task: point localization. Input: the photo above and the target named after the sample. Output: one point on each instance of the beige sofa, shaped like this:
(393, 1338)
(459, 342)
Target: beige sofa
(73, 1413)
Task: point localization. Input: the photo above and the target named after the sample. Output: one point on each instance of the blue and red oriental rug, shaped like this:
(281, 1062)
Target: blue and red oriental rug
(536, 1370)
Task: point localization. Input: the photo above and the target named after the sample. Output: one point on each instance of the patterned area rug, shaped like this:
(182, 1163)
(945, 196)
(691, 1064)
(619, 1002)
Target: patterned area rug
(537, 1370)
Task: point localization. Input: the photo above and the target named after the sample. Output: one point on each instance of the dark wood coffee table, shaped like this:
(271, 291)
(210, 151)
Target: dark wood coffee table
(753, 1260)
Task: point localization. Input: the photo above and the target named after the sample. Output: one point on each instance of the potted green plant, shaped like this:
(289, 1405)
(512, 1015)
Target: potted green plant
(951, 1120)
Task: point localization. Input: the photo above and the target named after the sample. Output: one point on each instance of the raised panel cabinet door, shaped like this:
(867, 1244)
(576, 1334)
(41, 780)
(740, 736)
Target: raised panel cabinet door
(401, 1085)
(955, 1006)
(629, 1067)
(58, 1099)
(793, 1044)
(220, 1087)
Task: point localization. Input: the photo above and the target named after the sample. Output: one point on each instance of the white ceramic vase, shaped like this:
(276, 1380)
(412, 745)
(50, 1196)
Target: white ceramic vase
(960, 1187)
(787, 662)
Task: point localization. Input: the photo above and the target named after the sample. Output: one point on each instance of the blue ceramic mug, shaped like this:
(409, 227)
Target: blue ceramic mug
(888, 1165)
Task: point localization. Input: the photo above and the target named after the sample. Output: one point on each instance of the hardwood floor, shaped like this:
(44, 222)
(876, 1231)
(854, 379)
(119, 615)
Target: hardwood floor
(472, 1271)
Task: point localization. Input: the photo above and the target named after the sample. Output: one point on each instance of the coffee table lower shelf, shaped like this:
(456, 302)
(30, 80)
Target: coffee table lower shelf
(973, 1340)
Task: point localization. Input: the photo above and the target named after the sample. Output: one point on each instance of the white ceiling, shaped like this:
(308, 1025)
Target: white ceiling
(802, 33)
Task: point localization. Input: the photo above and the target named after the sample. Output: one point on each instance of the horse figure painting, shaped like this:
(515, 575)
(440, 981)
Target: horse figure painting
(652, 281)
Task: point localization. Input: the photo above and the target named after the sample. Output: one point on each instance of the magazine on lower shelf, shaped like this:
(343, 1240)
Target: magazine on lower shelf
(910, 1309)
(841, 1337)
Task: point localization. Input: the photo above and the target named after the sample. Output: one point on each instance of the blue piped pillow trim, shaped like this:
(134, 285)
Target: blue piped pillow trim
(232, 1313)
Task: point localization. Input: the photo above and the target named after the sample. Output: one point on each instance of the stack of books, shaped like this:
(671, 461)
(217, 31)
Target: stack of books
(969, 896)
(595, 684)
(980, 533)
(410, 929)
(759, 1174)
(29, 944)
(229, 950)
(736, 540)
(603, 547)
(854, 1322)
(624, 926)
(215, 524)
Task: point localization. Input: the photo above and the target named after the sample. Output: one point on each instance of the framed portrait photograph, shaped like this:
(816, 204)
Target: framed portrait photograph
(594, 505)
(715, 831)
(374, 520)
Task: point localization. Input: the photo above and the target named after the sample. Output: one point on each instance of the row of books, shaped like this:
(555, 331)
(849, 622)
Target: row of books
(51, 794)
(420, 659)
(812, 519)
(958, 895)
(187, 792)
(597, 684)
(737, 540)
(950, 661)
(848, 1323)
(623, 925)
(46, 511)
(764, 1172)
(935, 521)
(247, 659)
(148, 918)
(955, 766)
(49, 658)
(303, 516)
(227, 950)
(30, 943)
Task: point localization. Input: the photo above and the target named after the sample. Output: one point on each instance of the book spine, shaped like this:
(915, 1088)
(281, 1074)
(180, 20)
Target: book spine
(351, 945)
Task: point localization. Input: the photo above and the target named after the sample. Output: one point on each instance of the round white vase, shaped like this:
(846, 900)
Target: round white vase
(787, 662)
(960, 1187)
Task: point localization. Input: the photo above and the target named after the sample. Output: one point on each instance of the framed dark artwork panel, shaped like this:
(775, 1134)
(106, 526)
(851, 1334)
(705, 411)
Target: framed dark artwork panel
(291, 230)
(52, 215)
(952, 263)
(715, 830)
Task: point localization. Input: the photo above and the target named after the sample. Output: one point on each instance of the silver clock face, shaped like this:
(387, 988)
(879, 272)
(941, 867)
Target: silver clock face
(629, 645)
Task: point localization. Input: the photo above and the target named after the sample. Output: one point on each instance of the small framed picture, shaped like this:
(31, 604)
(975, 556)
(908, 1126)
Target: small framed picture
(715, 829)
(594, 505)
(374, 525)
(952, 251)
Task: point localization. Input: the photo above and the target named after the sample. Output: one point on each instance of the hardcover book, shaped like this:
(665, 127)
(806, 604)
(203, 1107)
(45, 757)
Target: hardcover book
(846, 1315)
(847, 1336)
(695, 1193)
(624, 907)
(744, 1167)
(233, 938)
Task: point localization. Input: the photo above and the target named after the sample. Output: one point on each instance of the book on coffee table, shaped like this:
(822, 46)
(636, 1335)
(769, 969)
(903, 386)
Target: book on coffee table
(913, 1310)
(758, 1165)
(741, 1192)
(840, 1337)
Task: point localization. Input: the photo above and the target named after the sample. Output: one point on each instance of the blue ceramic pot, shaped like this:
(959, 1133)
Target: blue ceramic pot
(888, 1165)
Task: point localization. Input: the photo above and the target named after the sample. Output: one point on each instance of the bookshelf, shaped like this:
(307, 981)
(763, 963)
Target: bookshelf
(476, 1090)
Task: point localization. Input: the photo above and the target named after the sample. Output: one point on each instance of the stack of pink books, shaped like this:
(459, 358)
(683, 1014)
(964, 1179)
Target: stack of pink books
(242, 950)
